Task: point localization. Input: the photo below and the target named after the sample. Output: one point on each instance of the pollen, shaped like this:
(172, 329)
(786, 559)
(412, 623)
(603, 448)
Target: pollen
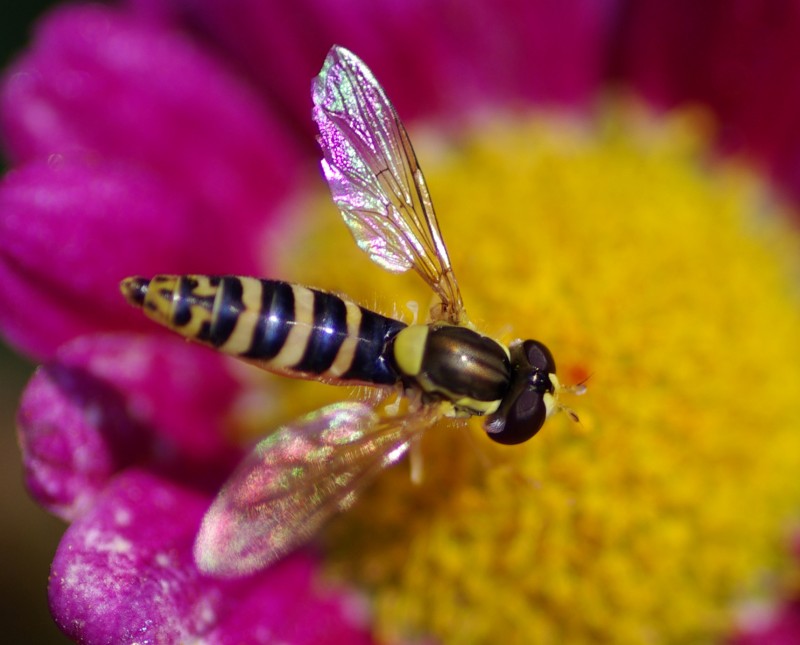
(670, 278)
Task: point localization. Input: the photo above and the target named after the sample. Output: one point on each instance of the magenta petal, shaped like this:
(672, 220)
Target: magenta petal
(74, 434)
(116, 400)
(100, 82)
(433, 56)
(738, 58)
(183, 392)
(782, 627)
(124, 573)
(69, 231)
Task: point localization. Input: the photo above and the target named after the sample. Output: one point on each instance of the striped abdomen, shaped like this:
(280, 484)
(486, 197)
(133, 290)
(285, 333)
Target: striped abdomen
(282, 327)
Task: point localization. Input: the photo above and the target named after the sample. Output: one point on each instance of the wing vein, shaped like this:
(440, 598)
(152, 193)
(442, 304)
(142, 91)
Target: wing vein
(376, 181)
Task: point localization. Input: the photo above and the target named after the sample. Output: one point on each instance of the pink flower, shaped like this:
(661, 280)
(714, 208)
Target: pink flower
(778, 627)
(162, 137)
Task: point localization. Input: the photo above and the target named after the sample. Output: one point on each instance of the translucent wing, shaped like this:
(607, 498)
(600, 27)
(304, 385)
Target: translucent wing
(293, 480)
(374, 177)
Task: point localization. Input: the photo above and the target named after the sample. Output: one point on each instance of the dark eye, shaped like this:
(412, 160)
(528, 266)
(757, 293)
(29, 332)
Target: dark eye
(521, 420)
(523, 410)
(539, 357)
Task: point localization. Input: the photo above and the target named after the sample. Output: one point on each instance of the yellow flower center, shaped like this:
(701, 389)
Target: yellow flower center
(668, 279)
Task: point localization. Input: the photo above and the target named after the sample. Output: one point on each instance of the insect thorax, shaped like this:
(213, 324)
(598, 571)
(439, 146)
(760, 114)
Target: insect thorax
(455, 364)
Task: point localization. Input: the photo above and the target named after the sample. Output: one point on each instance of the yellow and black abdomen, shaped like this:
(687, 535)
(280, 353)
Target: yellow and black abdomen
(280, 326)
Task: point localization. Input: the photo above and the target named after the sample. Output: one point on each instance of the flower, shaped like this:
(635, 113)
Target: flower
(174, 137)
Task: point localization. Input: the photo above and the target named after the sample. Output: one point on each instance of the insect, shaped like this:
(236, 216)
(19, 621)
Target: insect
(297, 477)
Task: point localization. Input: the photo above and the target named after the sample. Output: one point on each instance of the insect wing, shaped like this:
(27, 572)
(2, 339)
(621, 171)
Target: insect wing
(374, 177)
(293, 480)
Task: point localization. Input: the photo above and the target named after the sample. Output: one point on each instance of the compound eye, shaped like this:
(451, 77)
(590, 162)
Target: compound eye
(520, 421)
(539, 356)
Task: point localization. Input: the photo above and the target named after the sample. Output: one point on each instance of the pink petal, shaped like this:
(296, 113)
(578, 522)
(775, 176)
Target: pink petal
(112, 401)
(433, 57)
(737, 57)
(124, 573)
(182, 391)
(102, 84)
(70, 230)
(776, 627)
(144, 156)
(74, 434)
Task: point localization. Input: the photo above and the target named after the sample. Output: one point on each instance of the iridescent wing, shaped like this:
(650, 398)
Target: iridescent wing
(375, 180)
(293, 480)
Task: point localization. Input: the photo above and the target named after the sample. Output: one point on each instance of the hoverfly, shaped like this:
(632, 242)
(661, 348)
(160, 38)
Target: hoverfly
(297, 477)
